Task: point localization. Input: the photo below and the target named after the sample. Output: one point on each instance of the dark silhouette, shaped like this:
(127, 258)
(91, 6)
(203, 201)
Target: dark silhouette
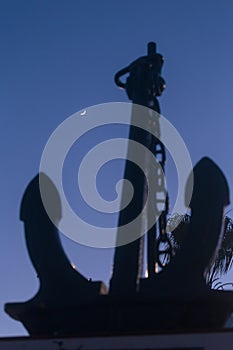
(176, 298)
(224, 257)
(186, 272)
(61, 286)
(143, 85)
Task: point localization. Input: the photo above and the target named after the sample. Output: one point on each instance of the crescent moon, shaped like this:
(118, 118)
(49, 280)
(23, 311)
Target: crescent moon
(83, 112)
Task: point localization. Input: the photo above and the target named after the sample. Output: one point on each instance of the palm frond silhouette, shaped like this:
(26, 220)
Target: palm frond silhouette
(223, 261)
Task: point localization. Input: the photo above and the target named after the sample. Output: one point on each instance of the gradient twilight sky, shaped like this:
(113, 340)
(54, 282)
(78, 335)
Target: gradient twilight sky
(58, 57)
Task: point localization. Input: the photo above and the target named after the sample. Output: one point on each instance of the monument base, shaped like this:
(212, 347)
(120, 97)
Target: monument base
(108, 315)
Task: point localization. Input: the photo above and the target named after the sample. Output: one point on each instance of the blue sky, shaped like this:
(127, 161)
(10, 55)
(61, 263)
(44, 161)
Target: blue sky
(58, 57)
